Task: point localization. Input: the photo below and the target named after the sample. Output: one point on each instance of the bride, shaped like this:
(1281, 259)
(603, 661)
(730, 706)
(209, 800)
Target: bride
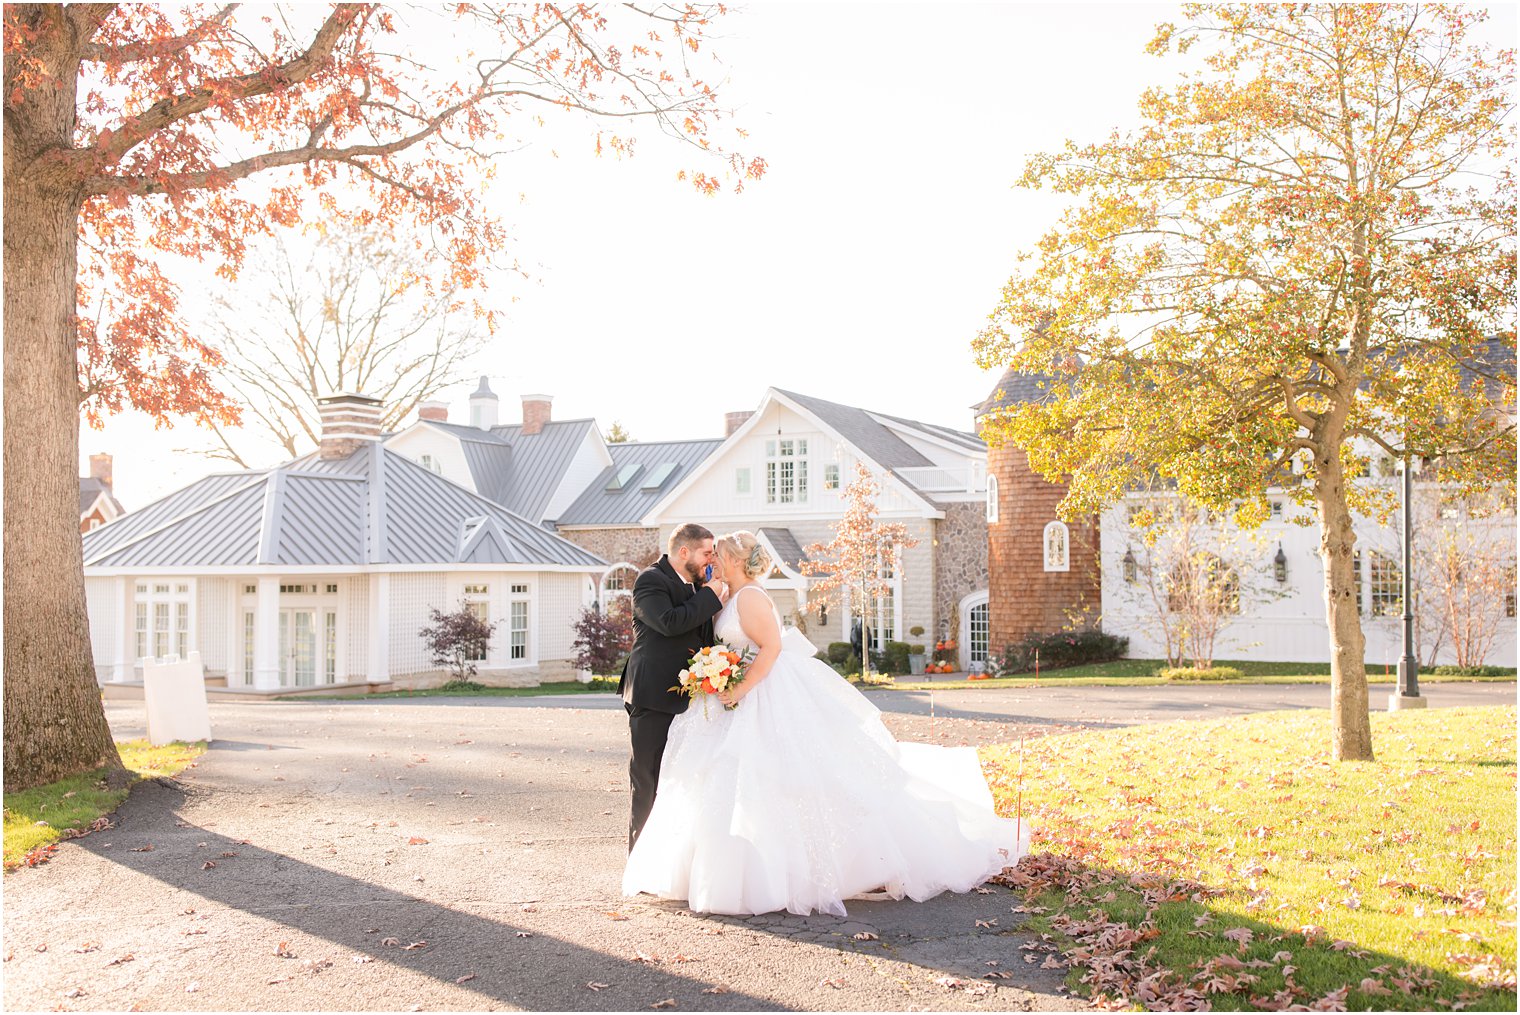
(798, 798)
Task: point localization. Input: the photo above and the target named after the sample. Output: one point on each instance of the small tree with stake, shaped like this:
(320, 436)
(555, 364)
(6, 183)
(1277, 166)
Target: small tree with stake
(457, 640)
(853, 560)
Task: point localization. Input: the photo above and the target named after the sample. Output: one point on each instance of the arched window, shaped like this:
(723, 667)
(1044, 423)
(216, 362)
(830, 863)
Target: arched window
(618, 581)
(992, 499)
(1057, 547)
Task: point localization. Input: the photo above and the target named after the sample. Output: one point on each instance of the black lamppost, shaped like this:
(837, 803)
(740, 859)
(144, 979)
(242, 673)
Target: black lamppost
(1408, 694)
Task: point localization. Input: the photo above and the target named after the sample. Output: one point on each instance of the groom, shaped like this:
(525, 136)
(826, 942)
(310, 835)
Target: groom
(673, 614)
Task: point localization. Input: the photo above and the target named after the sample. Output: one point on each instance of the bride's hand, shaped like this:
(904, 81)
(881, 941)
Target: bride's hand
(730, 698)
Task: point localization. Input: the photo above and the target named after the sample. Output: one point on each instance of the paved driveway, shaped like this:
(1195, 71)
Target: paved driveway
(467, 854)
(448, 856)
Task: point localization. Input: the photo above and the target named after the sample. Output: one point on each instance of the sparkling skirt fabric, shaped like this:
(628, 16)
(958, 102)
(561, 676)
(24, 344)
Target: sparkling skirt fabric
(800, 799)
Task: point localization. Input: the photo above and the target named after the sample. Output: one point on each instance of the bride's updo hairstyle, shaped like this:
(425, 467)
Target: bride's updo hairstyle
(745, 548)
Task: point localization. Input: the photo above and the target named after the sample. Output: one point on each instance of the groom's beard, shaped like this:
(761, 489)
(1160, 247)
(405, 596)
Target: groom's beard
(693, 572)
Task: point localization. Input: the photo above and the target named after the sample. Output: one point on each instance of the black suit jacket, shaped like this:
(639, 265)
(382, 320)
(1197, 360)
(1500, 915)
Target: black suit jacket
(670, 622)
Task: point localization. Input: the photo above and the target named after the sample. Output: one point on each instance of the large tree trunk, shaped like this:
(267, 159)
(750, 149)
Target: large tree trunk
(1350, 725)
(54, 722)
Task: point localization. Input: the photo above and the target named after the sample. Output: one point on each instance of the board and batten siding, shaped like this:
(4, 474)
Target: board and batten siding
(355, 615)
(413, 593)
(104, 611)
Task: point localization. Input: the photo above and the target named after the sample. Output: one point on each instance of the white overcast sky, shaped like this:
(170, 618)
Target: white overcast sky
(858, 270)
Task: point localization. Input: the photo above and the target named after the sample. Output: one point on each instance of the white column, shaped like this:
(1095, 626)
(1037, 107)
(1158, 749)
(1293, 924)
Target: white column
(379, 669)
(266, 635)
(126, 623)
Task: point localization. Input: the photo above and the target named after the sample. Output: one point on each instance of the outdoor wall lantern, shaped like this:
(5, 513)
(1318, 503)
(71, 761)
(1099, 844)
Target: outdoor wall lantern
(1130, 566)
(1280, 565)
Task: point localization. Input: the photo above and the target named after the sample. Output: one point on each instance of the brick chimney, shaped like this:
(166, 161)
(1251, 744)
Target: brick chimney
(734, 420)
(434, 410)
(349, 422)
(535, 412)
(100, 468)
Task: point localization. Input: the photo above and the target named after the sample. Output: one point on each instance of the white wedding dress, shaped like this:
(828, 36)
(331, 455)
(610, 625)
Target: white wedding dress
(799, 799)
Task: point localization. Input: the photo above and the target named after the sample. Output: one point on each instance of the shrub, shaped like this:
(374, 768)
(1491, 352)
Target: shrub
(895, 657)
(916, 650)
(839, 652)
(1063, 648)
(461, 685)
(1471, 671)
(1191, 673)
(457, 640)
(604, 639)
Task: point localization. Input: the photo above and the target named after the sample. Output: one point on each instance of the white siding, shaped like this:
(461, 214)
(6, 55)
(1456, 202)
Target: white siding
(412, 594)
(589, 461)
(445, 449)
(558, 604)
(210, 633)
(356, 616)
(104, 611)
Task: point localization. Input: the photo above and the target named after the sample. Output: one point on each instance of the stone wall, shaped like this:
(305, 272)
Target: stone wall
(960, 564)
(638, 546)
(1023, 597)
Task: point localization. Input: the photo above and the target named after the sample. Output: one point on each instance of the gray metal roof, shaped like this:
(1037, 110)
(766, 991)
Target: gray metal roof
(1016, 388)
(373, 506)
(785, 544)
(875, 441)
(539, 463)
(600, 506)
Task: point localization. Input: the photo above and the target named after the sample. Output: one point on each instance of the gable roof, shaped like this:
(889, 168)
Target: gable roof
(627, 504)
(372, 507)
(519, 471)
(90, 490)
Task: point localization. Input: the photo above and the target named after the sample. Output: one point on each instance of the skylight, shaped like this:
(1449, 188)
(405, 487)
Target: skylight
(623, 477)
(657, 478)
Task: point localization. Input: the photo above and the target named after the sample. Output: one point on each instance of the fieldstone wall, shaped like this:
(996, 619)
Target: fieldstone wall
(636, 545)
(960, 564)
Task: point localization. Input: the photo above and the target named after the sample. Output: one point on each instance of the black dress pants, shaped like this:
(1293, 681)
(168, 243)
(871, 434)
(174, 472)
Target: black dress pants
(648, 731)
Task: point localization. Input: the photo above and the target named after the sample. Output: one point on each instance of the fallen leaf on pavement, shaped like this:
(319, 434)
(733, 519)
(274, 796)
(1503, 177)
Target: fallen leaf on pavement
(669, 1002)
(125, 958)
(616, 916)
(390, 942)
(593, 985)
(414, 946)
(363, 958)
(87, 947)
(283, 950)
(986, 924)
(523, 933)
(866, 935)
(208, 865)
(466, 978)
(416, 840)
(836, 984)
(716, 990)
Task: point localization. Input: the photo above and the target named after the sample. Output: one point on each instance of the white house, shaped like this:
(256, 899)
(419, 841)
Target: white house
(320, 572)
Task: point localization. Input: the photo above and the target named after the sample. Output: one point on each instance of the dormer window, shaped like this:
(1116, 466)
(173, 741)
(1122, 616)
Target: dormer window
(431, 464)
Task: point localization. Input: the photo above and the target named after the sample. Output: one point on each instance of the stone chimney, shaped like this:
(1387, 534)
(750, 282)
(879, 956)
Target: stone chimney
(100, 468)
(535, 412)
(434, 410)
(349, 422)
(734, 420)
(483, 406)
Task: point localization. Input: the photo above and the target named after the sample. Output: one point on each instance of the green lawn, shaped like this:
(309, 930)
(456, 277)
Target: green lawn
(1231, 861)
(42, 815)
(598, 685)
(1138, 673)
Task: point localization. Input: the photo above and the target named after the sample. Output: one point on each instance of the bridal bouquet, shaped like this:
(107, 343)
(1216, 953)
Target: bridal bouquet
(712, 670)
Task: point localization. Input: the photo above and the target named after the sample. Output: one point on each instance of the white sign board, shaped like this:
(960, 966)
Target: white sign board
(176, 698)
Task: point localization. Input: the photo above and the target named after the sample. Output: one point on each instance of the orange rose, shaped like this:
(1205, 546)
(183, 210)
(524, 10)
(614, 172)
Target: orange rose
(707, 685)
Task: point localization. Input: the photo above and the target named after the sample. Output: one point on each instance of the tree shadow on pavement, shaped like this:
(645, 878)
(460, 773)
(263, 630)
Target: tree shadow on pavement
(499, 962)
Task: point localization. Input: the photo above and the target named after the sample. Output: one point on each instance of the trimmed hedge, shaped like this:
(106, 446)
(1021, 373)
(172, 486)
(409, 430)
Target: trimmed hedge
(1470, 671)
(1191, 673)
(839, 652)
(895, 658)
(1063, 648)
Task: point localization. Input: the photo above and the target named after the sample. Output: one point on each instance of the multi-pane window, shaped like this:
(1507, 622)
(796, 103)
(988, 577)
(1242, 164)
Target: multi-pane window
(992, 499)
(182, 630)
(1057, 547)
(741, 480)
(786, 478)
(248, 647)
(886, 604)
(142, 630)
(477, 599)
(1385, 584)
(831, 476)
(160, 630)
(330, 649)
(618, 582)
(979, 631)
(518, 624)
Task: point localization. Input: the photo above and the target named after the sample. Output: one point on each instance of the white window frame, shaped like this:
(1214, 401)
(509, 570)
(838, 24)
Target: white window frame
(478, 594)
(1054, 562)
(967, 606)
(992, 499)
(605, 595)
(786, 485)
(742, 485)
(521, 591)
(173, 601)
(831, 476)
